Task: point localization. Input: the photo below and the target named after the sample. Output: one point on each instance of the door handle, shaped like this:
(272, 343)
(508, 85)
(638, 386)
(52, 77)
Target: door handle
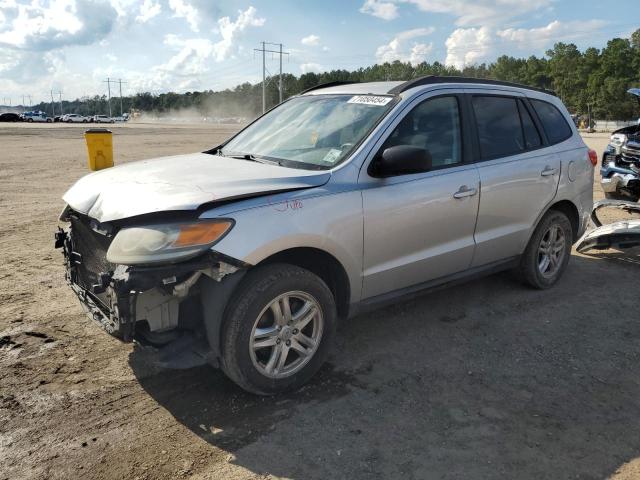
(548, 171)
(465, 191)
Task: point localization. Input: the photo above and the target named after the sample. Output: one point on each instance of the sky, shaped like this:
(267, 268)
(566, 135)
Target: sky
(73, 46)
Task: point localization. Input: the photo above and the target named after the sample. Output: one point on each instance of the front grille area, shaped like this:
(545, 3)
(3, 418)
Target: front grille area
(631, 155)
(92, 249)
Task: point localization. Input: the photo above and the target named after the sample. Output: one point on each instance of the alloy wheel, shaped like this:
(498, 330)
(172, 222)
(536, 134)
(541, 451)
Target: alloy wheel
(551, 251)
(286, 334)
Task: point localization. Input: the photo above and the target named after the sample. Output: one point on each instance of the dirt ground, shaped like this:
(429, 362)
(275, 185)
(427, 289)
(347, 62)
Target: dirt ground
(487, 380)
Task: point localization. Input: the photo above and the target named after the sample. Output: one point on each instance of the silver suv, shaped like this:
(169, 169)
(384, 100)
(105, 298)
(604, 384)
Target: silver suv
(340, 199)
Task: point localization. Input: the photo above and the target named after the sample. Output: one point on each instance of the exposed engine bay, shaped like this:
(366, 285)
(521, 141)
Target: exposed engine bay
(153, 304)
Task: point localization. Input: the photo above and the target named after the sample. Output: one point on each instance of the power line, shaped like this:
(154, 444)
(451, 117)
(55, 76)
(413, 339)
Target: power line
(280, 53)
(119, 82)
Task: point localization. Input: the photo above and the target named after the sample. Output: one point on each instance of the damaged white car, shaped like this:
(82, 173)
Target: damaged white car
(343, 198)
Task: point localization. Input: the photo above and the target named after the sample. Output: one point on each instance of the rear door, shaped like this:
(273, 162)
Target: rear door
(419, 227)
(519, 173)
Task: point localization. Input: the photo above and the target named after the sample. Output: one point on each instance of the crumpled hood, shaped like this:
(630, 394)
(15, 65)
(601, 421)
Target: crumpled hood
(182, 182)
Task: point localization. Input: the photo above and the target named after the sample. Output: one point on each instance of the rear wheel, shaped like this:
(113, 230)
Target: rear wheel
(277, 330)
(548, 251)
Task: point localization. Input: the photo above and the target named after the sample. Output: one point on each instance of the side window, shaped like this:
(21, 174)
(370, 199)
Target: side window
(532, 137)
(435, 126)
(553, 122)
(499, 130)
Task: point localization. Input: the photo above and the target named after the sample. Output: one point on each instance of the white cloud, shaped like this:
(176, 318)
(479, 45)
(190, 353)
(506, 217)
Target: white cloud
(195, 55)
(197, 13)
(311, 40)
(556, 31)
(148, 10)
(311, 67)
(37, 26)
(467, 12)
(467, 46)
(183, 9)
(398, 48)
(380, 9)
(230, 30)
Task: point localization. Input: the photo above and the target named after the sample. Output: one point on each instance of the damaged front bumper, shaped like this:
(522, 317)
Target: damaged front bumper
(125, 295)
(622, 234)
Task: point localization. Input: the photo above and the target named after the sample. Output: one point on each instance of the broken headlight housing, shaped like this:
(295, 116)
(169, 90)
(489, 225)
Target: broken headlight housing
(618, 139)
(152, 244)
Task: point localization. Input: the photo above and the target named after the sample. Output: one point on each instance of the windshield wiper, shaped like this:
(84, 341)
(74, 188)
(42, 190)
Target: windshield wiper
(240, 156)
(250, 157)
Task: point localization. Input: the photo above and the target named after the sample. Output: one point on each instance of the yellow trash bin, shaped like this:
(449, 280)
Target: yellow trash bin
(99, 148)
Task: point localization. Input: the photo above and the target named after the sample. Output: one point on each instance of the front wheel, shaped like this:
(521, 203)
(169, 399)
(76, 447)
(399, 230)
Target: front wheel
(548, 252)
(277, 329)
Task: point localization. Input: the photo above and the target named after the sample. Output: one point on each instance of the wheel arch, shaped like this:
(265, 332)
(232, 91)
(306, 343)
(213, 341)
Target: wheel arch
(324, 265)
(571, 211)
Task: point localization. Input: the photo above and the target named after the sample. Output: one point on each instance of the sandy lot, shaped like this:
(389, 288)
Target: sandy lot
(487, 380)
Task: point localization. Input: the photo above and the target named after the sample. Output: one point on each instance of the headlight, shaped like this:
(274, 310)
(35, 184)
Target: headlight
(618, 139)
(165, 243)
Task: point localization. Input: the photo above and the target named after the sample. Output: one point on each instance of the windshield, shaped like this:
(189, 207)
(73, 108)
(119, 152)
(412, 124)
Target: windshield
(312, 131)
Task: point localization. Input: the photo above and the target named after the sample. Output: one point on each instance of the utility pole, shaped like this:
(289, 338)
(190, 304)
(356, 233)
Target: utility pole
(264, 83)
(280, 77)
(60, 97)
(120, 82)
(23, 109)
(108, 81)
(53, 106)
(264, 50)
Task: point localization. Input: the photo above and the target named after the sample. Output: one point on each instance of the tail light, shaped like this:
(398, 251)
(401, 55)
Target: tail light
(593, 157)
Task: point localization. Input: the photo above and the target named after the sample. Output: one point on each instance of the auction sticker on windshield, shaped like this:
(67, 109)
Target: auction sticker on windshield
(370, 99)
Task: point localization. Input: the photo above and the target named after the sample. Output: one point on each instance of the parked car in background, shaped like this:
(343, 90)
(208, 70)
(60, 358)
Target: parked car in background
(620, 168)
(102, 119)
(74, 118)
(340, 199)
(38, 116)
(10, 117)
(122, 118)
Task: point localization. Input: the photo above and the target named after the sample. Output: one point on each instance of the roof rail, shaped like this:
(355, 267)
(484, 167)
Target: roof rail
(434, 79)
(326, 85)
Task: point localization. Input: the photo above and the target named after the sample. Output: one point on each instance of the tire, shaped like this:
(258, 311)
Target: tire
(533, 269)
(30, 120)
(248, 310)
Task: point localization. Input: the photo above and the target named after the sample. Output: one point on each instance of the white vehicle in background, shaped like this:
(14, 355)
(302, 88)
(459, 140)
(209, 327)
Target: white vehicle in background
(121, 119)
(102, 119)
(74, 118)
(36, 117)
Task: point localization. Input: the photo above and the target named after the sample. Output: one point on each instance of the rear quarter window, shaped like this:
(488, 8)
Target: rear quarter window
(553, 122)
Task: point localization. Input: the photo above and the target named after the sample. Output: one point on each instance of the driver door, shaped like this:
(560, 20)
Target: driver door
(419, 227)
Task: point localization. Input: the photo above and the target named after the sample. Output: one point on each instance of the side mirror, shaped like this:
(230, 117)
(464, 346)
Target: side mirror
(402, 160)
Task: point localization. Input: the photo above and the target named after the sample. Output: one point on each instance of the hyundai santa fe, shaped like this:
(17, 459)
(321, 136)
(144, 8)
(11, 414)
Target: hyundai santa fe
(340, 199)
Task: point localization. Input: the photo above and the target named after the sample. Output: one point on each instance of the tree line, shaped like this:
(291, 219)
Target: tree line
(593, 78)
